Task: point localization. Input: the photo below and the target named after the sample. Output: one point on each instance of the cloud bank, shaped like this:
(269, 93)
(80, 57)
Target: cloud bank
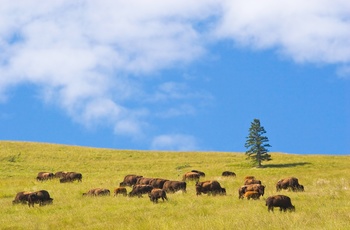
(93, 59)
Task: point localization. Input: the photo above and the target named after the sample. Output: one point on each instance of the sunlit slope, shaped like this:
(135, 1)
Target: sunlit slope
(324, 204)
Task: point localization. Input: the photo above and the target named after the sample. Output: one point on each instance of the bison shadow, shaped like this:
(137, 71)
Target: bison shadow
(286, 165)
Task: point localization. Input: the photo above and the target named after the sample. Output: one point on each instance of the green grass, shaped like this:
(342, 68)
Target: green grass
(325, 204)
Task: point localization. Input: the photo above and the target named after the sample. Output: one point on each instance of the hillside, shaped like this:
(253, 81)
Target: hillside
(324, 204)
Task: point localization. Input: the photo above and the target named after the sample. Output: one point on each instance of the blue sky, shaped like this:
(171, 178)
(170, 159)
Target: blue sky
(176, 75)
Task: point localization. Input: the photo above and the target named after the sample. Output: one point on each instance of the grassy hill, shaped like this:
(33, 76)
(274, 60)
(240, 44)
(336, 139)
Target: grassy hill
(325, 204)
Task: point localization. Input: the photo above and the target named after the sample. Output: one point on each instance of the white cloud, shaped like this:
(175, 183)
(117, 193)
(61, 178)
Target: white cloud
(314, 31)
(174, 142)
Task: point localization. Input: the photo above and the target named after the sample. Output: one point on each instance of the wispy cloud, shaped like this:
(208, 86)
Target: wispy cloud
(94, 58)
(174, 142)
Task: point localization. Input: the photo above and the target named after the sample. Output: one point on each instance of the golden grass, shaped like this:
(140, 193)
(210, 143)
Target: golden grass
(324, 204)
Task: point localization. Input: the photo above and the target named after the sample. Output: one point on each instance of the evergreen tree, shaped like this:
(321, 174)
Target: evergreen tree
(257, 144)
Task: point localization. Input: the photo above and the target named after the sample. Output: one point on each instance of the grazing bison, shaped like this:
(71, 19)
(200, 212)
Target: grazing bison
(129, 180)
(281, 201)
(144, 181)
(157, 182)
(97, 192)
(210, 187)
(228, 173)
(138, 190)
(252, 181)
(120, 190)
(60, 174)
(41, 197)
(157, 193)
(71, 176)
(191, 176)
(174, 186)
(202, 174)
(251, 194)
(290, 183)
(252, 187)
(42, 176)
(21, 197)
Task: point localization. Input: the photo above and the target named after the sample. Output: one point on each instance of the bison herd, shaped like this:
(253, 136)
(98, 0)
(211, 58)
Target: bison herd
(157, 188)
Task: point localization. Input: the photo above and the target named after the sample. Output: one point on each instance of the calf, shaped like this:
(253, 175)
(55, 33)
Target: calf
(157, 193)
(251, 194)
(120, 190)
(191, 176)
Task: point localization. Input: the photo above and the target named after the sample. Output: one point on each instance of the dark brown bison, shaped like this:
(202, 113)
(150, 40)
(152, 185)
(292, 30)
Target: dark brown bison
(252, 187)
(252, 181)
(21, 197)
(120, 190)
(60, 174)
(144, 181)
(98, 192)
(281, 201)
(71, 176)
(42, 176)
(157, 193)
(290, 183)
(228, 173)
(191, 176)
(138, 190)
(174, 186)
(129, 180)
(202, 174)
(41, 197)
(212, 187)
(251, 194)
(157, 182)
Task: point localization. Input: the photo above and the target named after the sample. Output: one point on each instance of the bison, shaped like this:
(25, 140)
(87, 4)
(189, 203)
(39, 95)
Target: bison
(41, 197)
(129, 180)
(253, 187)
(138, 190)
(144, 181)
(174, 186)
(251, 194)
(281, 201)
(228, 173)
(97, 192)
(252, 181)
(202, 174)
(191, 176)
(290, 183)
(210, 187)
(120, 190)
(60, 174)
(21, 197)
(249, 178)
(42, 176)
(157, 193)
(157, 182)
(71, 176)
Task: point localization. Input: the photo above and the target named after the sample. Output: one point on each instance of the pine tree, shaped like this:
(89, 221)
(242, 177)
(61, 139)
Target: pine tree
(257, 144)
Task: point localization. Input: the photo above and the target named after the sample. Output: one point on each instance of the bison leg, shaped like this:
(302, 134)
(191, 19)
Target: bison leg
(270, 208)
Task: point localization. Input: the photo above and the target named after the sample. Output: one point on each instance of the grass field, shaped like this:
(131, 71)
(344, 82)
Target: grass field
(325, 204)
